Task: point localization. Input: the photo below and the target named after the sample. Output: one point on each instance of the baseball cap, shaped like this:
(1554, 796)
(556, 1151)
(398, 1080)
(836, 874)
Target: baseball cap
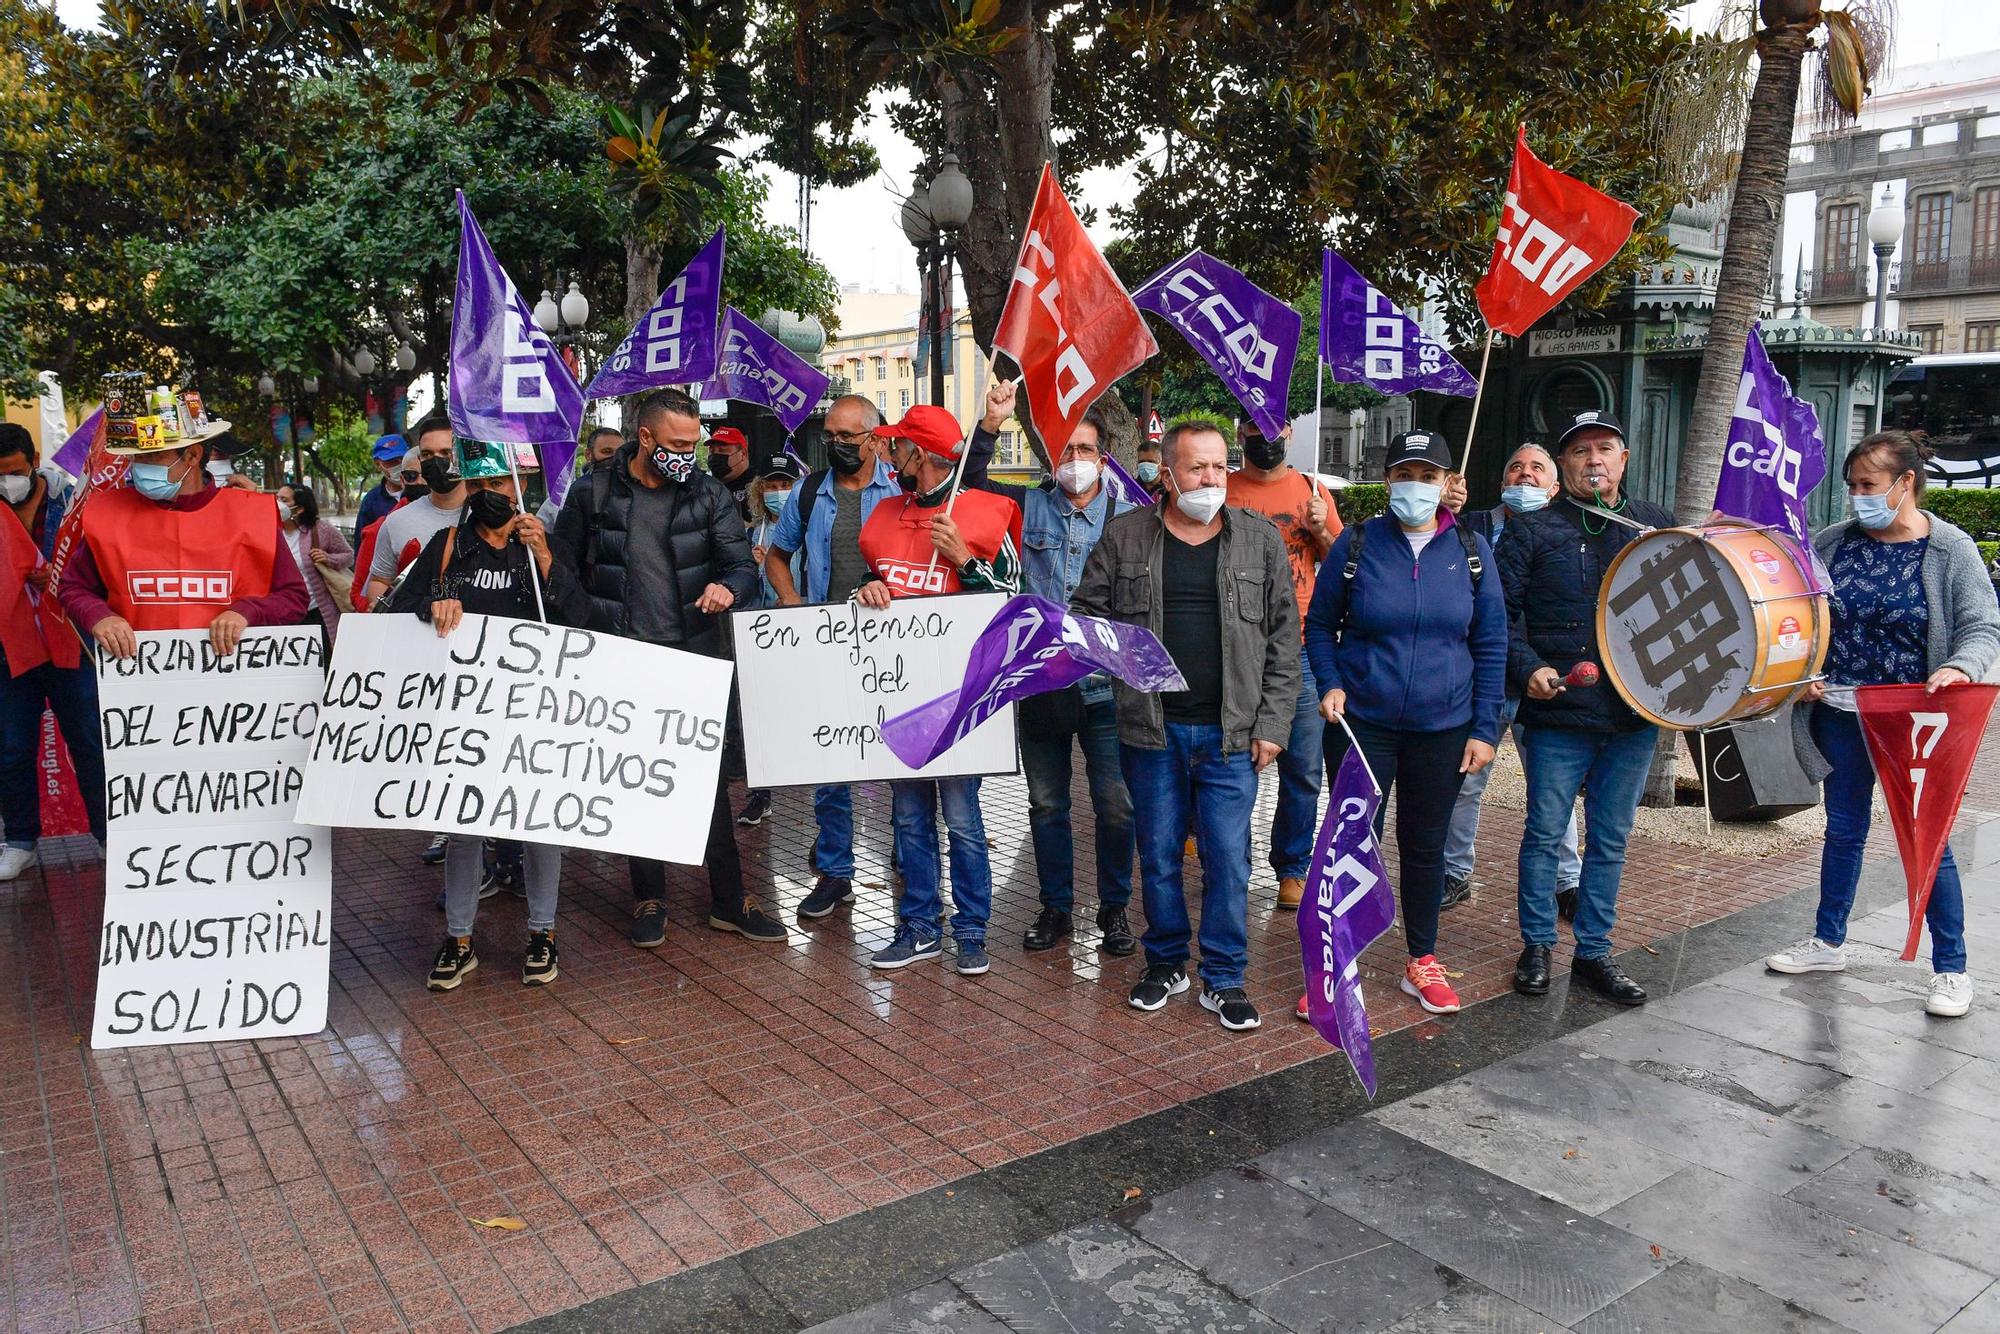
(728, 435)
(1419, 447)
(784, 466)
(930, 427)
(1587, 420)
(389, 447)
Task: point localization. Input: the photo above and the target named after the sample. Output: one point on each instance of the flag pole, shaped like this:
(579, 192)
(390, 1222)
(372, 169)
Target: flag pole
(957, 480)
(534, 575)
(1465, 459)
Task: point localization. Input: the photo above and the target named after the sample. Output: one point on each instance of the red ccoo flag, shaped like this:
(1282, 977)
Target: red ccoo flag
(1068, 320)
(1555, 231)
(1923, 744)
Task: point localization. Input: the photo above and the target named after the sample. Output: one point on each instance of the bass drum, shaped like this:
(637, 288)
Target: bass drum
(1701, 626)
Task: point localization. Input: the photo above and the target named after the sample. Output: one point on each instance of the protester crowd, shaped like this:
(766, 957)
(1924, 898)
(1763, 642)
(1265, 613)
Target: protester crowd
(1420, 636)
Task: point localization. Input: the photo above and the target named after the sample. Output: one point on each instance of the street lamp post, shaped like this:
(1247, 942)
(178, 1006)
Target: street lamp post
(1885, 231)
(934, 214)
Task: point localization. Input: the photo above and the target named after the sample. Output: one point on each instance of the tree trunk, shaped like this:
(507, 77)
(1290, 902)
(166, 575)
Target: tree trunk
(1754, 217)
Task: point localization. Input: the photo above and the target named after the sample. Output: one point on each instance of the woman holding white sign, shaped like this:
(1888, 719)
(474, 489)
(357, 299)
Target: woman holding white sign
(495, 562)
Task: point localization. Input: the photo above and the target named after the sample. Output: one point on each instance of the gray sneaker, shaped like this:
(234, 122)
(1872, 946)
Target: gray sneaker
(1811, 955)
(1457, 890)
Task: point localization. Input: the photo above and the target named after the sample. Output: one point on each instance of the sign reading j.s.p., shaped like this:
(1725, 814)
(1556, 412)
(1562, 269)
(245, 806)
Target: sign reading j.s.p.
(217, 902)
(515, 729)
(818, 683)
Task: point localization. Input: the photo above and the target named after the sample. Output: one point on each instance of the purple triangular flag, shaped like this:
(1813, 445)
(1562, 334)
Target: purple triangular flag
(678, 340)
(508, 384)
(757, 368)
(1365, 339)
(1247, 336)
(1347, 904)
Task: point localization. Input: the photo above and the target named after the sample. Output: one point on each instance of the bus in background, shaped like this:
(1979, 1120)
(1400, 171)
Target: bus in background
(1954, 399)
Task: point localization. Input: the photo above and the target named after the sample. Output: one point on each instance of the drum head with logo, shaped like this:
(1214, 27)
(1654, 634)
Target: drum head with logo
(1676, 630)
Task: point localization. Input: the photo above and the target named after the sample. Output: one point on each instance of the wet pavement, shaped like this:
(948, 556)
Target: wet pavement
(724, 1135)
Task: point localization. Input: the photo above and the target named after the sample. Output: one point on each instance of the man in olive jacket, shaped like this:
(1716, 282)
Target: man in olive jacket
(1214, 584)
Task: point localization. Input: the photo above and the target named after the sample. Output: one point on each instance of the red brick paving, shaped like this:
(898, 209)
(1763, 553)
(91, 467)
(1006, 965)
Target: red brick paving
(650, 1112)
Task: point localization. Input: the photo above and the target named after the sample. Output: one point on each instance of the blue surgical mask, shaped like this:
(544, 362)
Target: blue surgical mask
(1874, 512)
(1523, 499)
(1414, 503)
(1149, 472)
(154, 481)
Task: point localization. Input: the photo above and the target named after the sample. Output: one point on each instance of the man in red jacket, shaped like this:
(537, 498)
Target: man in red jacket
(936, 539)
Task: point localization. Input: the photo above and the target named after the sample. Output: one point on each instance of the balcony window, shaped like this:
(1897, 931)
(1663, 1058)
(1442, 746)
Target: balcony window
(1930, 337)
(1986, 234)
(1930, 249)
(1982, 336)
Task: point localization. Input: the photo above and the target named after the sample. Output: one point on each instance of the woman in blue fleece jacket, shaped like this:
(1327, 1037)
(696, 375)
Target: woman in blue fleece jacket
(1408, 642)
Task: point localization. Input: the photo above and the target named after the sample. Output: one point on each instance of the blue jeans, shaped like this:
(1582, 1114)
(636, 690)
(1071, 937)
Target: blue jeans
(833, 850)
(1047, 767)
(1610, 769)
(1461, 840)
(916, 802)
(1849, 788)
(1192, 777)
(71, 693)
(1295, 821)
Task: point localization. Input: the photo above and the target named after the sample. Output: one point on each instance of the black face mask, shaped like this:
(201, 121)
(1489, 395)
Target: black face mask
(1264, 452)
(415, 490)
(437, 473)
(719, 465)
(489, 509)
(844, 458)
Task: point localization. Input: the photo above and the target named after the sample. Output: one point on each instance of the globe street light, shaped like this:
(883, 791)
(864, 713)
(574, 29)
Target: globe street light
(1885, 231)
(364, 362)
(932, 217)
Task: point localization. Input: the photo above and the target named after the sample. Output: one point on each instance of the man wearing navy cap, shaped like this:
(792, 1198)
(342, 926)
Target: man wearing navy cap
(1574, 738)
(382, 497)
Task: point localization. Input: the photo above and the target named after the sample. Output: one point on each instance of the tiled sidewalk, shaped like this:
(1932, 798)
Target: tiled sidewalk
(650, 1112)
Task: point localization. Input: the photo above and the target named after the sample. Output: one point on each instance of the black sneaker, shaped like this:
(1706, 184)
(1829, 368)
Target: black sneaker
(1161, 981)
(495, 881)
(755, 809)
(828, 894)
(433, 855)
(649, 924)
(1457, 890)
(454, 960)
(538, 966)
(1118, 937)
(1566, 903)
(748, 921)
(1232, 1006)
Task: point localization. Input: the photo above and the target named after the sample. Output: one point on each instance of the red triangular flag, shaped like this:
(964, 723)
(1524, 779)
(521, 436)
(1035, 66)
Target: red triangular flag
(1068, 321)
(1555, 231)
(1923, 746)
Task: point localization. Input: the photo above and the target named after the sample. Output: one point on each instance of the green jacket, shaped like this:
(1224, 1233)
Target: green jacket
(1123, 580)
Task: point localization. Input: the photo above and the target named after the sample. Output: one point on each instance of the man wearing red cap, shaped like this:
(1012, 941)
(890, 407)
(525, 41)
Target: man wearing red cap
(729, 463)
(937, 539)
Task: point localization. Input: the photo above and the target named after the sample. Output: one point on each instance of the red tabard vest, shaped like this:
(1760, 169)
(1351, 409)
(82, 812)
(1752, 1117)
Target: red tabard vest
(32, 628)
(167, 569)
(896, 540)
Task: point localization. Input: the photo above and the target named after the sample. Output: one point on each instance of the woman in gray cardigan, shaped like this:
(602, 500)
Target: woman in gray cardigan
(1911, 603)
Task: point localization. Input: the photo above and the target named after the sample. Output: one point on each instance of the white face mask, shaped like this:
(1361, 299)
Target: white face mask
(1077, 476)
(15, 489)
(220, 469)
(1201, 504)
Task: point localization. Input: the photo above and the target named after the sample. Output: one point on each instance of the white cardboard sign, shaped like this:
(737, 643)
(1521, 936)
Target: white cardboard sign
(218, 904)
(819, 681)
(516, 729)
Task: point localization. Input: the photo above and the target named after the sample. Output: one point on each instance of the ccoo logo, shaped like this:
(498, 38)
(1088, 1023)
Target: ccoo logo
(170, 587)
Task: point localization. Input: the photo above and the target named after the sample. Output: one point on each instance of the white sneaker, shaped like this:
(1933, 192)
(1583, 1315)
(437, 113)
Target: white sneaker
(1811, 955)
(13, 861)
(1951, 995)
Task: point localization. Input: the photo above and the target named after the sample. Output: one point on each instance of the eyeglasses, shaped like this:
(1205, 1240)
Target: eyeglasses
(848, 437)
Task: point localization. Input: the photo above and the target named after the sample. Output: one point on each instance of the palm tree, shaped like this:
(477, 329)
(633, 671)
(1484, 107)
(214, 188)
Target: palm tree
(1852, 46)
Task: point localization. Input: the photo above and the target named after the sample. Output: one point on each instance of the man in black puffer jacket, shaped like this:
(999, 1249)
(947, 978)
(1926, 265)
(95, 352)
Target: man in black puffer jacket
(1582, 738)
(661, 549)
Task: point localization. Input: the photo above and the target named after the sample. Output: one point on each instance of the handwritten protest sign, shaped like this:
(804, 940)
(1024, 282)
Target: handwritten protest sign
(516, 729)
(217, 903)
(818, 683)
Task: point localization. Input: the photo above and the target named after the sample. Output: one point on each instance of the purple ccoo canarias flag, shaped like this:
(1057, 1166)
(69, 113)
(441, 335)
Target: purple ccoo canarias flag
(756, 368)
(678, 340)
(1775, 455)
(1125, 489)
(1347, 904)
(1030, 647)
(1247, 336)
(74, 455)
(1366, 339)
(508, 385)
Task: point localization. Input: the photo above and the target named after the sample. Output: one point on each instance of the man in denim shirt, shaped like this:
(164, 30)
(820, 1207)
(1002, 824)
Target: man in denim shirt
(824, 518)
(1062, 520)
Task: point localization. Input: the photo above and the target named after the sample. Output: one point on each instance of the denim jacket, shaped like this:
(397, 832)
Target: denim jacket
(1056, 538)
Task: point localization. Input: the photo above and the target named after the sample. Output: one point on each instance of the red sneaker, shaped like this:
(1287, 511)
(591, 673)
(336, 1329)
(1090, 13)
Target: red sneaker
(1300, 1013)
(1424, 979)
